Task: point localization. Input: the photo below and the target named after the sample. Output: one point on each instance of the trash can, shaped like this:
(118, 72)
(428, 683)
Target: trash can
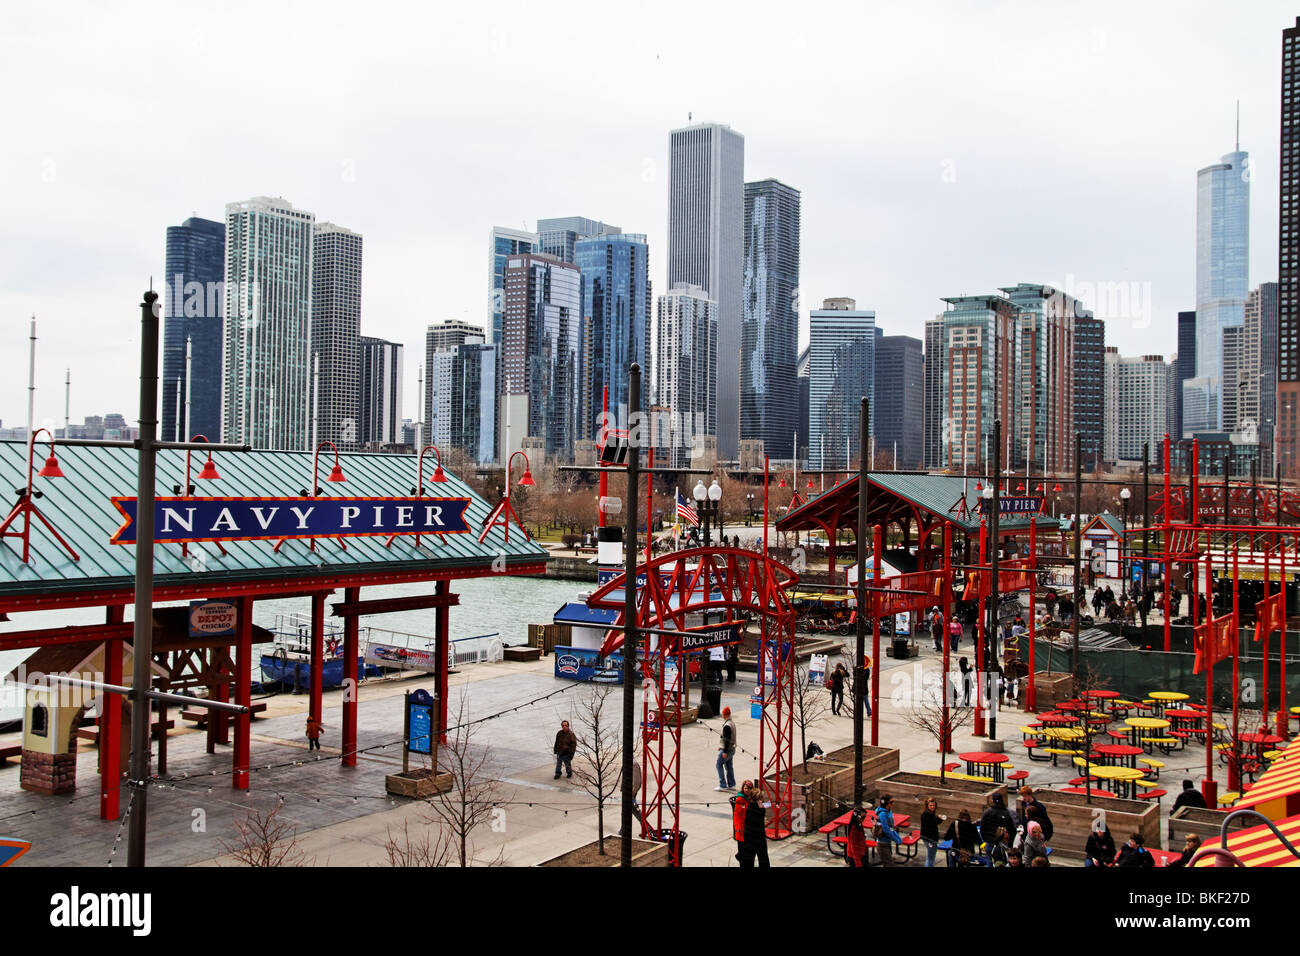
(900, 648)
(675, 846)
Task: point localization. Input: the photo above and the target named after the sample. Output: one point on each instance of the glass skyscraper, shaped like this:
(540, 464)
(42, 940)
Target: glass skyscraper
(899, 423)
(1222, 264)
(841, 371)
(616, 319)
(381, 391)
(193, 307)
(769, 342)
(266, 358)
(335, 333)
(503, 243)
(981, 345)
(558, 237)
(684, 365)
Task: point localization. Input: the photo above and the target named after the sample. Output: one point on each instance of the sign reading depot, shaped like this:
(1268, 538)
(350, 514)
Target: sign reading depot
(212, 618)
(179, 520)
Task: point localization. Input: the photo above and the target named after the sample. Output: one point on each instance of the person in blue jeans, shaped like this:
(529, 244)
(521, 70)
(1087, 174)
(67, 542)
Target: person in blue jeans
(726, 751)
(930, 820)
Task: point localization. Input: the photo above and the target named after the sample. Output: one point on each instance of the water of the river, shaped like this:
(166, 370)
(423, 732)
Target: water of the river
(506, 605)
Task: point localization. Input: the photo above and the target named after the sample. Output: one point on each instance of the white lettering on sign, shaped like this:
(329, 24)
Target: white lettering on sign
(302, 516)
(432, 515)
(225, 521)
(404, 516)
(348, 515)
(379, 516)
(171, 514)
(264, 521)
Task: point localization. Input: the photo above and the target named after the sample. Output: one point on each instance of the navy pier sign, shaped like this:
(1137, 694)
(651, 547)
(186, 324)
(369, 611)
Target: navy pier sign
(1014, 505)
(180, 520)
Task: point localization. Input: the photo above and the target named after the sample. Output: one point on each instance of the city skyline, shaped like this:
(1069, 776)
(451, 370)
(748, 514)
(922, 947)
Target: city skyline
(920, 185)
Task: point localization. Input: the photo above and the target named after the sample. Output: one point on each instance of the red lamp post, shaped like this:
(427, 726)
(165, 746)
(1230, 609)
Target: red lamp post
(208, 473)
(336, 474)
(26, 504)
(439, 477)
(503, 512)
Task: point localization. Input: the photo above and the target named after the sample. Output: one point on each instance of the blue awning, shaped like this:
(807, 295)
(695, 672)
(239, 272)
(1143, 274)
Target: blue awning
(578, 613)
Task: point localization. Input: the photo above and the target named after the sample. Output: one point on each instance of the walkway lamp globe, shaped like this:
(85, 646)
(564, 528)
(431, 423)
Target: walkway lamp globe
(699, 491)
(715, 491)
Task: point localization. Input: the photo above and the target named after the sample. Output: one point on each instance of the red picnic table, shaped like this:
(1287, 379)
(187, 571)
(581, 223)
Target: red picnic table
(1056, 719)
(1095, 791)
(838, 843)
(1260, 742)
(1119, 754)
(994, 762)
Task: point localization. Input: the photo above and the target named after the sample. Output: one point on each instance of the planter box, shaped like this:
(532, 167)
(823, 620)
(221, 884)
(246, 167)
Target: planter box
(911, 790)
(644, 853)
(1204, 823)
(689, 715)
(877, 762)
(522, 653)
(818, 792)
(1051, 689)
(418, 783)
(1072, 818)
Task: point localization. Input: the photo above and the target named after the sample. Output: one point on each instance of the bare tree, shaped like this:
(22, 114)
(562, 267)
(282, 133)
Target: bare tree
(1085, 682)
(929, 714)
(471, 801)
(811, 701)
(599, 767)
(430, 848)
(262, 839)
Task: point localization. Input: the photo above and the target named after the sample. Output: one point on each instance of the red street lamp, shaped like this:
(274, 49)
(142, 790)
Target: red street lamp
(504, 511)
(336, 473)
(208, 473)
(26, 504)
(439, 477)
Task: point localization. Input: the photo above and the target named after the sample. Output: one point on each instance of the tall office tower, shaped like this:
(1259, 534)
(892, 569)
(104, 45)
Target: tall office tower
(1110, 422)
(1044, 438)
(934, 392)
(1222, 263)
(900, 374)
(769, 338)
(1183, 369)
(559, 237)
(442, 337)
(381, 392)
(1286, 438)
(1137, 388)
(542, 353)
(684, 367)
(802, 367)
(1233, 375)
(335, 329)
(706, 247)
(1259, 390)
(841, 372)
(1089, 374)
(616, 314)
(981, 345)
(463, 391)
(266, 352)
(195, 272)
(1173, 402)
(503, 243)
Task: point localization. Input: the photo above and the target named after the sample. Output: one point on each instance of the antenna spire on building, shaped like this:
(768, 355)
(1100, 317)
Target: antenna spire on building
(1237, 148)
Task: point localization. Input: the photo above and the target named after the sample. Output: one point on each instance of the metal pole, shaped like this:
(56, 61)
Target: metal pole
(995, 546)
(630, 638)
(1146, 535)
(142, 639)
(1078, 572)
(859, 672)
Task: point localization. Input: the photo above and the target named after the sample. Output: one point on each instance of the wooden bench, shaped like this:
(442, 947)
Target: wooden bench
(8, 753)
(92, 733)
(1153, 794)
(199, 715)
(522, 653)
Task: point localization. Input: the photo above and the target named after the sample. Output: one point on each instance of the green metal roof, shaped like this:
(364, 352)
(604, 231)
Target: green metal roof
(939, 495)
(79, 507)
(1114, 524)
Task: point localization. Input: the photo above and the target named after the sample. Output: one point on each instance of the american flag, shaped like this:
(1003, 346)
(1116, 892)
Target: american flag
(686, 510)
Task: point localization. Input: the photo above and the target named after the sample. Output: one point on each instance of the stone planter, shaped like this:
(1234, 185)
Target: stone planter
(818, 792)
(418, 783)
(1072, 818)
(876, 762)
(644, 853)
(911, 790)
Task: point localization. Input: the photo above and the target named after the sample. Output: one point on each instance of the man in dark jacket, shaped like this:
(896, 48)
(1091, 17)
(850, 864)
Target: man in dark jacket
(754, 845)
(566, 745)
(994, 817)
(1190, 797)
(1133, 853)
(1031, 809)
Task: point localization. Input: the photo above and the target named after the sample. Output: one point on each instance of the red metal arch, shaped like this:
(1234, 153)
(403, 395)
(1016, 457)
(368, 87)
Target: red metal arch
(735, 582)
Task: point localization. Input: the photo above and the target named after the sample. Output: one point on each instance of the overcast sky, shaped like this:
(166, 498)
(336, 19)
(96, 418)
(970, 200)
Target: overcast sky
(940, 149)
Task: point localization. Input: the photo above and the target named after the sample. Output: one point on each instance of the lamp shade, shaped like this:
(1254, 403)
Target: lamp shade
(781, 484)
(209, 470)
(715, 491)
(336, 473)
(51, 468)
(1058, 487)
(527, 479)
(439, 476)
(699, 491)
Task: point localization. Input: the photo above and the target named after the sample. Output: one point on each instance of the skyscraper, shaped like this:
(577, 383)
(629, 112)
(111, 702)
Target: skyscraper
(335, 329)
(1288, 267)
(1183, 370)
(558, 237)
(684, 365)
(1136, 391)
(616, 316)
(769, 341)
(981, 346)
(463, 388)
(1089, 381)
(841, 372)
(1222, 262)
(543, 347)
(1259, 389)
(442, 337)
(503, 242)
(900, 374)
(706, 247)
(266, 355)
(194, 278)
(934, 356)
(381, 392)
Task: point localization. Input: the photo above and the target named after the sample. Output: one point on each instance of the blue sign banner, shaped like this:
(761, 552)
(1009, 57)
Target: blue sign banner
(179, 520)
(584, 664)
(420, 738)
(1013, 506)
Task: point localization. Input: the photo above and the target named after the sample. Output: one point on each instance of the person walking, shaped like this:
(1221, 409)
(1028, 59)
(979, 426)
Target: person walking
(754, 846)
(739, 807)
(936, 630)
(967, 674)
(954, 633)
(314, 729)
(726, 751)
(566, 745)
(930, 820)
(836, 684)
(855, 852)
(885, 831)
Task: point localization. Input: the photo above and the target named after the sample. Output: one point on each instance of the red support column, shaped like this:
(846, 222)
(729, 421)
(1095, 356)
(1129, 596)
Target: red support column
(1167, 570)
(110, 722)
(315, 709)
(442, 637)
(351, 687)
(1209, 789)
(948, 609)
(1031, 694)
(977, 723)
(1283, 716)
(243, 692)
(1234, 765)
(877, 542)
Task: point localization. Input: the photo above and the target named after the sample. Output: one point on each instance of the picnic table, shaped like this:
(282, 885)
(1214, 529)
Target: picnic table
(1119, 754)
(1120, 779)
(1056, 719)
(993, 762)
(837, 843)
(1162, 698)
(1141, 729)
